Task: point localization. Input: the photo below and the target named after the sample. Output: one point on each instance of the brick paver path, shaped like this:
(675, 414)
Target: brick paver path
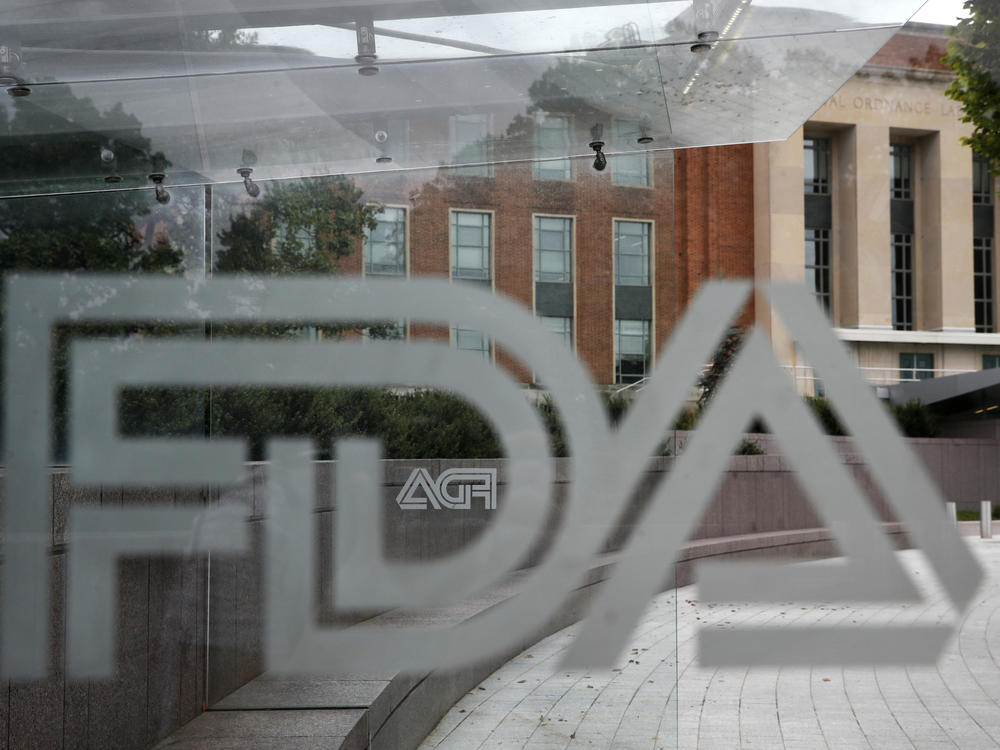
(530, 703)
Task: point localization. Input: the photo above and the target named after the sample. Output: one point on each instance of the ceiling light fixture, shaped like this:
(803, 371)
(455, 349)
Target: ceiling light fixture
(600, 160)
(162, 196)
(253, 189)
(366, 57)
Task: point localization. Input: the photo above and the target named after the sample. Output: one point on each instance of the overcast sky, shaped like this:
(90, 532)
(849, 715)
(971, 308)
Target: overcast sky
(941, 11)
(570, 29)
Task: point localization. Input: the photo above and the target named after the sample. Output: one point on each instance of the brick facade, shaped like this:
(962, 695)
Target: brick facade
(686, 248)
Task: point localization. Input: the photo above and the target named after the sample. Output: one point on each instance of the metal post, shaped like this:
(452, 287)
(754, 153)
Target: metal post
(952, 513)
(986, 519)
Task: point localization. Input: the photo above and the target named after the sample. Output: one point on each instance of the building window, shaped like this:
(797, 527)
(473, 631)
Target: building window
(470, 144)
(471, 235)
(902, 282)
(818, 265)
(385, 245)
(561, 327)
(471, 341)
(631, 350)
(628, 169)
(632, 250)
(552, 139)
(816, 165)
(991, 361)
(901, 171)
(553, 249)
(982, 181)
(982, 283)
(917, 366)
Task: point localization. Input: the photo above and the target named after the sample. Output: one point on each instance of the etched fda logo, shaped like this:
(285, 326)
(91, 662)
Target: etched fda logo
(454, 489)
(605, 467)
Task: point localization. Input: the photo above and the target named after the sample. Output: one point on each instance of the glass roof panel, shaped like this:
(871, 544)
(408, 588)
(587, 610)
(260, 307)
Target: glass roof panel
(113, 91)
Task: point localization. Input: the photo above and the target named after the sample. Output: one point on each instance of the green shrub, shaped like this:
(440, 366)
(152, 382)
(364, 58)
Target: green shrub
(616, 405)
(914, 418)
(550, 417)
(824, 413)
(687, 419)
(749, 447)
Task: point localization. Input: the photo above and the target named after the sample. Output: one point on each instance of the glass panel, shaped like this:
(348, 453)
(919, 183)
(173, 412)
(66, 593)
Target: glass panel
(254, 294)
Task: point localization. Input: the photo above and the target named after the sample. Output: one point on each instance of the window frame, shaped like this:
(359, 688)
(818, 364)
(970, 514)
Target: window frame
(566, 335)
(913, 368)
(570, 274)
(903, 300)
(902, 170)
(818, 146)
(618, 141)
(646, 334)
(487, 352)
(981, 195)
(820, 271)
(470, 170)
(366, 245)
(561, 167)
(620, 279)
(983, 280)
(453, 213)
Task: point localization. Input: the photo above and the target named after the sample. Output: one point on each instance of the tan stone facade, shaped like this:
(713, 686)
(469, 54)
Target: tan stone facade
(897, 99)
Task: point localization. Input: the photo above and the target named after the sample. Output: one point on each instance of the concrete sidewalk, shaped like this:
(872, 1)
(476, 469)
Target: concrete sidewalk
(530, 703)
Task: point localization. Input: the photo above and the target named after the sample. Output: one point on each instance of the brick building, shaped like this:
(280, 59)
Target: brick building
(609, 260)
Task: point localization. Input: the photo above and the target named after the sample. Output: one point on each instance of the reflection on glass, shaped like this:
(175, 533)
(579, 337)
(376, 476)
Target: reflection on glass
(470, 143)
(385, 244)
(124, 231)
(629, 169)
(552, 139)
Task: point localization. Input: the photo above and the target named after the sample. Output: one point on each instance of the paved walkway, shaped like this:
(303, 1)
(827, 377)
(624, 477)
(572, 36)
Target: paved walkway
(530, 703)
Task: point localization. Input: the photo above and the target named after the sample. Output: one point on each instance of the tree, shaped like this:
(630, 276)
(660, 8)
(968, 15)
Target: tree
(44, 153)
(304, 227)
(974, 54)
(722, 360)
